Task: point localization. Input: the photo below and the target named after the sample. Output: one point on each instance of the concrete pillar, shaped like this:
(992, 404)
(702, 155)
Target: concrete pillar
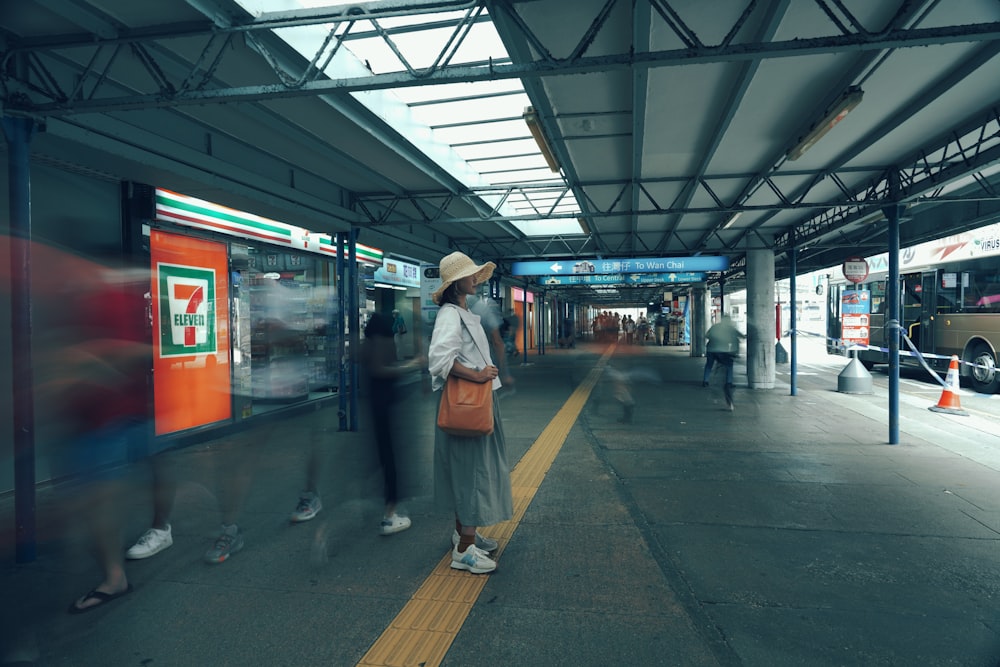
(760, 312)
(700, 309)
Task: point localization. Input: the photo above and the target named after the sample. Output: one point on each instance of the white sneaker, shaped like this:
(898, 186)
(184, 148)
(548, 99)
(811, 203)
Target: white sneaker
(394, 524)
(485, 543)
(474, 560)
(152, 542)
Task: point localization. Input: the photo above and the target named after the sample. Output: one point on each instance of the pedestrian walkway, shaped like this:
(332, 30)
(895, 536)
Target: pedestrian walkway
(786, 532)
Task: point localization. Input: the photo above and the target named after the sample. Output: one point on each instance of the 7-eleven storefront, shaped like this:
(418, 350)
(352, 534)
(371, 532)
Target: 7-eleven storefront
(246, 314)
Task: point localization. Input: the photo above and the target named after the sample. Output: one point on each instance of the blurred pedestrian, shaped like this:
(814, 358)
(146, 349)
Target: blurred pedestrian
(723, 348)
(310, 503)
(235, 463)
(623, 396)
(95, 366)
(642, 329)
(508, 333)
(629, 325)
(660, 328)
(237, 456)
(381, 372)
(279, 326)
(398, 331)
(471, 474)
(493, 324)
(159, 535)
(568, 335)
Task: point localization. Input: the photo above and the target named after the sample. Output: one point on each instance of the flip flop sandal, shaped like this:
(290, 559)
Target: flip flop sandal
(97, 595)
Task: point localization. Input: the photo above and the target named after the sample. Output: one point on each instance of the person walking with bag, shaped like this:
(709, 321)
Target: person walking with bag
(471, 474)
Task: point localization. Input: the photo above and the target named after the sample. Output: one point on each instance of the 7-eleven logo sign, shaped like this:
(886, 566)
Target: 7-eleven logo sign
(187, 310)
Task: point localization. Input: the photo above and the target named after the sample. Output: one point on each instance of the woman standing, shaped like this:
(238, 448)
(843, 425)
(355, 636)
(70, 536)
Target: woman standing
(471, 475)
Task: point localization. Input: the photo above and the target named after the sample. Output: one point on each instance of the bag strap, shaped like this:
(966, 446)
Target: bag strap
(462, 320)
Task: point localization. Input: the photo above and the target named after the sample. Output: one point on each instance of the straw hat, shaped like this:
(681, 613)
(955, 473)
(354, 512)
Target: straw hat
(456, 266)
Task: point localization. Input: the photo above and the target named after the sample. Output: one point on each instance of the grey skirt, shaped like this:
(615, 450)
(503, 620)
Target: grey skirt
(472, 475)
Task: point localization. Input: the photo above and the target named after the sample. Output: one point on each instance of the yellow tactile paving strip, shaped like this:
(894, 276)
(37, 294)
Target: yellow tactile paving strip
(424, 629)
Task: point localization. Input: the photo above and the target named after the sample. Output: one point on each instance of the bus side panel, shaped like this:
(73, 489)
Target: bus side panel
(955, 330)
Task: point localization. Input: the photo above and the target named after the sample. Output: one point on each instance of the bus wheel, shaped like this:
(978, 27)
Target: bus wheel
(984, 373)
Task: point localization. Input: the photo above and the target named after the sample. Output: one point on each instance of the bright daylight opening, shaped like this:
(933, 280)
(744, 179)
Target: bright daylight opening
(474, 130)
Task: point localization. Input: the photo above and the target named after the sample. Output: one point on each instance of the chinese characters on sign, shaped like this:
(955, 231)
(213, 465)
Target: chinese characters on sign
(621, 266)
(855, 269)
(623, 279)
(395, 272)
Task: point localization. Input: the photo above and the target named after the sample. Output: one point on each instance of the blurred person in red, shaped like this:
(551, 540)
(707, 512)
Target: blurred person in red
(94, 365)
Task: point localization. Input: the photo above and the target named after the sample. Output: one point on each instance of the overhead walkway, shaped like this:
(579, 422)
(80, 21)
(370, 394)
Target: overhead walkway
(786, 532)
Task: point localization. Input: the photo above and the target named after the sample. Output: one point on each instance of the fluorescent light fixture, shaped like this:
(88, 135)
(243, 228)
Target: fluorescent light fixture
(388, 286)
(531, 118)
(732, 219)
(836, 113)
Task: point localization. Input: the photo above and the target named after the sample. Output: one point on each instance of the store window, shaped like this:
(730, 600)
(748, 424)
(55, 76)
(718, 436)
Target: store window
(280, 336)
(285, 328)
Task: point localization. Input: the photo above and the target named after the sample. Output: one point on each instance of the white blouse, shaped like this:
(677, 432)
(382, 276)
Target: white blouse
(451, 341)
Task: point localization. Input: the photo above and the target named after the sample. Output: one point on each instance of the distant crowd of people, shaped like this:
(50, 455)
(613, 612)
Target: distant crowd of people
(610, 327)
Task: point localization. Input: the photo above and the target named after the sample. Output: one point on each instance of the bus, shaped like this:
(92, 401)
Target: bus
(949, 305)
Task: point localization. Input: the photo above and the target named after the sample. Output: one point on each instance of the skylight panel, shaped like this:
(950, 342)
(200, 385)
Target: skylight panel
(516, 146)
(475, 130)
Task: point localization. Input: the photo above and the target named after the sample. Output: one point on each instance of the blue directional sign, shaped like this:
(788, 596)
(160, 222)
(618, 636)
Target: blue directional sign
(623, 278)
(633, 265)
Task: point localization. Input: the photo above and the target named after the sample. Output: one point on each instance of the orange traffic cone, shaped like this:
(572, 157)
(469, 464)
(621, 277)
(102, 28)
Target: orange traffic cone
(949, 396)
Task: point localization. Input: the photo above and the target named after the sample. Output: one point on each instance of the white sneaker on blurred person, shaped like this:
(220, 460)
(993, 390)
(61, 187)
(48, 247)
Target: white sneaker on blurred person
(152, 542)
(308, 507)
(394, 524)
(485, 543)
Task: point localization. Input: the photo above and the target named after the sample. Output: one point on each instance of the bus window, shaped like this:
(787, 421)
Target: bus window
(878, 297)
(947, 292)
(983, 292)
(970, 291)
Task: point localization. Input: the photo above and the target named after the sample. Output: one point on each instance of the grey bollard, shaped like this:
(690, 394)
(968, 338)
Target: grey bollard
(855, 379)
(780, 355)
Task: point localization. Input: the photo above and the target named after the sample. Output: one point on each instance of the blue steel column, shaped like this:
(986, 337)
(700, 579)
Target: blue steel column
(524, 323)
(541, 326)
(700, 312)
(18, 132)
(557, 321)
(892, 301)
(341, 343)
(793, 256)
(353, 325)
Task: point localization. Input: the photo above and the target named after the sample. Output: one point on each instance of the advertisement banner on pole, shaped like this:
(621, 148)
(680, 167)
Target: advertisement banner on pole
(855, 308)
